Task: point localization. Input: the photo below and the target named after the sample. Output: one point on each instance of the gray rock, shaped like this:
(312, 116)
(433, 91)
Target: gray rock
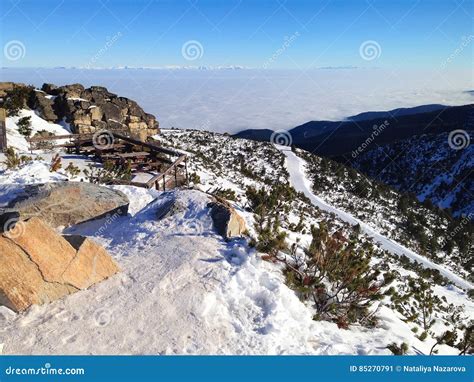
(64, 204)
(50, 89)
(87, 110)
(227, 222)
(44, 106)
(111, 112)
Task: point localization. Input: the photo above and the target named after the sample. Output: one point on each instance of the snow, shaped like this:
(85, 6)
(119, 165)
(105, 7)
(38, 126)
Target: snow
(182, 289)
(299, 180)
(77, 99)
(18, 141)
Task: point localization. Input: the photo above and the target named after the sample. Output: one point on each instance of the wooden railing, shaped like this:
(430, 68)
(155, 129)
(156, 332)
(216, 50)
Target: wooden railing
(155, 181)
(158, 181)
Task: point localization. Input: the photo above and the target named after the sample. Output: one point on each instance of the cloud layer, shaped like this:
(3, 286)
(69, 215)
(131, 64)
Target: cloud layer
(234, 100)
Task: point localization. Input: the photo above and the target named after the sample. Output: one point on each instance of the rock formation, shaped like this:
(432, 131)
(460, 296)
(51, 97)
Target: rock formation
(63, 204)
(227, 222)
(88, 110)
(38, 266)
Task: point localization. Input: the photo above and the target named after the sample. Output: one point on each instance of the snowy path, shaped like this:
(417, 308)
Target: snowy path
(300, 182)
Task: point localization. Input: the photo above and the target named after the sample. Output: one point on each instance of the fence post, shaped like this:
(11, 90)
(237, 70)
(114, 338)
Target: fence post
(186, 170)
(176, 176)
(3, 131)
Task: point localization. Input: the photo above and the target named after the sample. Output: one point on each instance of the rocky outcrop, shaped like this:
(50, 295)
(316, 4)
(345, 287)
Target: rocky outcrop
(5, 87)
(227, 222)
(38, 266)
(87, 110)
(63, 204)
(95, 108)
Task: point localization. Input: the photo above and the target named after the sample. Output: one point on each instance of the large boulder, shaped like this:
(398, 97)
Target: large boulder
(63, 204)
(38, 266)
(227, 222)
(91, 264)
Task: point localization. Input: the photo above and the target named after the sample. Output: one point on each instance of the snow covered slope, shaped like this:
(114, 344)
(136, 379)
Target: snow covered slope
(18, 141)
(184, 290)
(299, 180)
(429, 167)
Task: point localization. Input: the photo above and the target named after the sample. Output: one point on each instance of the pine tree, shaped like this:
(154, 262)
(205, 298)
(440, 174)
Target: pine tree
(24, 126)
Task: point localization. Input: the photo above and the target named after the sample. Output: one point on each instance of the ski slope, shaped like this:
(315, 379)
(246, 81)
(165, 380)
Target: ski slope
(296, 167)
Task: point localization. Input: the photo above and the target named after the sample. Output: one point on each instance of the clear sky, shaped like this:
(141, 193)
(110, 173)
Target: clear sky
(258, 33)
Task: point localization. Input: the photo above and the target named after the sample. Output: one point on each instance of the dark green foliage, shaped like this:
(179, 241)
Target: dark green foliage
(466, 342)
(72, 170)
(417, 302)
(337, 278)
(194, 178)
(24, 126)
(13, 160)
(225, 194)
(16, 99)
(110, 171)
(470, 294)
(398, 349)
(448, 338)
(270, 239)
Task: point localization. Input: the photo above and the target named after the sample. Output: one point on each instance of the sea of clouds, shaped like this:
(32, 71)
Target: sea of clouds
(234, 100)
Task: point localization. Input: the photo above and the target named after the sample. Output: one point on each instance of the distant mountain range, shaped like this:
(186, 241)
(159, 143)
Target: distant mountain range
(341, 138)
(407, 148)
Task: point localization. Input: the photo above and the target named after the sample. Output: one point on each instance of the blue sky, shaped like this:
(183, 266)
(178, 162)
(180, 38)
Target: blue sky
(258, 33)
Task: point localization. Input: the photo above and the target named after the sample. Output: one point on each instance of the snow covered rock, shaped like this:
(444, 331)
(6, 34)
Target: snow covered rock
(66, 203)
(227, 222)
(37, 265)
